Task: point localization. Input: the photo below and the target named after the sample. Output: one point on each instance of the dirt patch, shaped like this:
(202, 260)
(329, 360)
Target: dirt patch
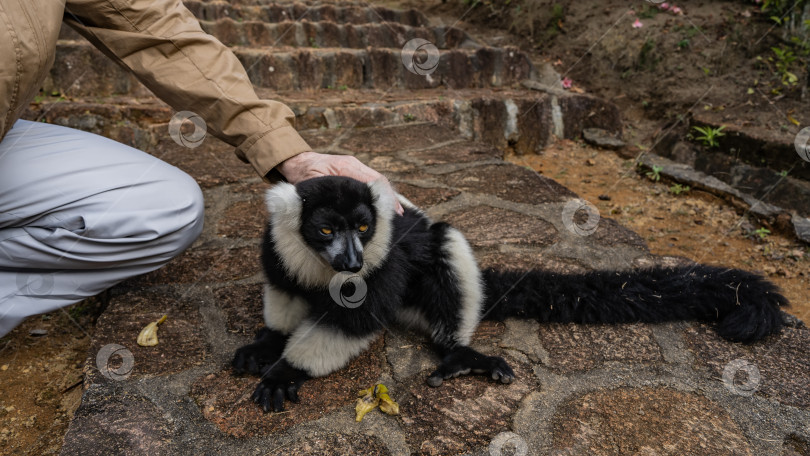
(41, 378)
(709, 56)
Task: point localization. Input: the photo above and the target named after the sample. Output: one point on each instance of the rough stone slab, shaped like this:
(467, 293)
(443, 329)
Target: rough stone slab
(224, 399)
(513, 228)
(243, 307)
(763, 184)
(511, 258)
(425, 197)
(760, 146)
(508, 182)
(783, 361)
(601, 138)
(305, 69)
(610, 233)
(212, 163)
(456, 153)
(394, 139)
(117, 422)
(331, 34)
(334, 445)
(181, 341)
(583, 111)
(696, 179)
(205, 265)
(465, 412)
(284, 11)
(573, 348)
(244, 219)
(802, 227)
(645, 421)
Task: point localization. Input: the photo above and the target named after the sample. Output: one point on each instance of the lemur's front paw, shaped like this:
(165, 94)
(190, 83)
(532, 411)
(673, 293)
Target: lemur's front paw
(264, 351)
(465, 360)
(278, 381)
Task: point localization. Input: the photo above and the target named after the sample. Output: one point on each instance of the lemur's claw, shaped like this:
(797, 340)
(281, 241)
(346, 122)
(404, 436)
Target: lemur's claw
(279, 381)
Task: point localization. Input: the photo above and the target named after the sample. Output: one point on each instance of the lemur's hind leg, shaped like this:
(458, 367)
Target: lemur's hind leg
(446, 299)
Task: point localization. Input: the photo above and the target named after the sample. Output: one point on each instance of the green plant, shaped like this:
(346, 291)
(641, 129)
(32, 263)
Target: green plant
(709, 135)
(655, 173)
(684, 43)
(646, 57)
(677, 189)
(784, 59)
(409, 117)
(762, 232)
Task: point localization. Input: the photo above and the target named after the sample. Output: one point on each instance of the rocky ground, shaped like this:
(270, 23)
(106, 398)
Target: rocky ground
(640, 389)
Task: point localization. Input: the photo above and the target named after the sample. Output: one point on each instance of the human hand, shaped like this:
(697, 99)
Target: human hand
(307, 165)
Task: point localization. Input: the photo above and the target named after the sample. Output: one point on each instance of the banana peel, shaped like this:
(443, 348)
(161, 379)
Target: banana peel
(148, 335)
(370, 398)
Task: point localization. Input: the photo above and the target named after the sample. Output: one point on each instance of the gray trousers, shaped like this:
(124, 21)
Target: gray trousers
(80, 213)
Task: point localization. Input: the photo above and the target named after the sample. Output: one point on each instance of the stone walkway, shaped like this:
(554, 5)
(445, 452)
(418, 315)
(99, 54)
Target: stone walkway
(627, 389)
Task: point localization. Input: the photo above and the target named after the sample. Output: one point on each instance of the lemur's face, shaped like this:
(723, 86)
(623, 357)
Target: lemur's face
(337, 221)
(326, 225)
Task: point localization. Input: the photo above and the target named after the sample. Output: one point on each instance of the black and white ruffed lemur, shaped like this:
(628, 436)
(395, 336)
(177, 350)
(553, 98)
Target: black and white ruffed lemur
(423, 273)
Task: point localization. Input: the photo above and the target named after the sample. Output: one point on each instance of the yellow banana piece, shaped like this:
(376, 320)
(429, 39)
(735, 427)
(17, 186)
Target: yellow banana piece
(370, 398)
(366, 403)
(148, 335)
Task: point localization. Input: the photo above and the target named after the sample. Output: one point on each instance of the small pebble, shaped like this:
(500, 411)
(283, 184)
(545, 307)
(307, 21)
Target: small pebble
(38, 332)
(604, 197)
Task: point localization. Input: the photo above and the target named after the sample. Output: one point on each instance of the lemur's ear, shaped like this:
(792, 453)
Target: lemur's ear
(383, 198)
(284, 204)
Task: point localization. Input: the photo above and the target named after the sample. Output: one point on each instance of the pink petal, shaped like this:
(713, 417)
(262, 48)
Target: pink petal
(567, 83)
(637, 24)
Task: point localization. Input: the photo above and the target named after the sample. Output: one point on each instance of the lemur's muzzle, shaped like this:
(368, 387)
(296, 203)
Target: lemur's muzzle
(349, 255)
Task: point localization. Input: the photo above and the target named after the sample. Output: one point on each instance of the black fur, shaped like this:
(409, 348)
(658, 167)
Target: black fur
(745, 305)
(417, 275)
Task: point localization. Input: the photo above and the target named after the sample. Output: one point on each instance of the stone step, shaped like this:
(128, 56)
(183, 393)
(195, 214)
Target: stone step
(322, 34)
(327, 34)
(343, 13)
(81, 70)
(524, 121)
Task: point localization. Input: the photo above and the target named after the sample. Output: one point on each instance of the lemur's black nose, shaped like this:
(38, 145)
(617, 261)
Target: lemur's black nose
(351, 259)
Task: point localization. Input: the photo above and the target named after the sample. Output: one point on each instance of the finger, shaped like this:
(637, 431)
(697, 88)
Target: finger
(278, 399)
(435, 379)
(292, 393)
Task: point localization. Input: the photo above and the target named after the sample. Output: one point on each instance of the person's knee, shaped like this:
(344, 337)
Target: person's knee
(188, 214)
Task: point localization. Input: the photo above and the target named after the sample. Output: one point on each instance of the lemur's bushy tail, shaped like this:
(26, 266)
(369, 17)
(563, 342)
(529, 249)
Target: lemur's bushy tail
(745, 305)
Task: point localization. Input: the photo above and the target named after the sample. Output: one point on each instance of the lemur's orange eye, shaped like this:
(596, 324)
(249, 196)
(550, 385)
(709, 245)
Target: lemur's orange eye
(363, 228)
(326, 231)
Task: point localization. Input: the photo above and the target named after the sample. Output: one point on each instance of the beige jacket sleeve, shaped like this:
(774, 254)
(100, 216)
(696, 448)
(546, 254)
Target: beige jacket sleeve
(162, 43)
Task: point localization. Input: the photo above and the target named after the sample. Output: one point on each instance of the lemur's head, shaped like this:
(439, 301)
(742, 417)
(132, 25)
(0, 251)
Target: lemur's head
(330, 224)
